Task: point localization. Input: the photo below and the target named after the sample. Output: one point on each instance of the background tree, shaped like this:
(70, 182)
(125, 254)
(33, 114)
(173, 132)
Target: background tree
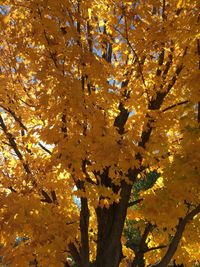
(95, 95)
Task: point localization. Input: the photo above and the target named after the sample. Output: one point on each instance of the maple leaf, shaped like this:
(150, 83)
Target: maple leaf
(99, 128)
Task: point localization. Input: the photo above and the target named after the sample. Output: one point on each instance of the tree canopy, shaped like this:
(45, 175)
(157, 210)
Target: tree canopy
(99, 130)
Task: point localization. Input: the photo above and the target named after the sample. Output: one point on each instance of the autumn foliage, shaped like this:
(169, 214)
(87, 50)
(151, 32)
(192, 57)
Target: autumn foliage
(99, 130)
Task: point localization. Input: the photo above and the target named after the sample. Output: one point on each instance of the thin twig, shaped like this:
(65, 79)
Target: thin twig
(175, 105)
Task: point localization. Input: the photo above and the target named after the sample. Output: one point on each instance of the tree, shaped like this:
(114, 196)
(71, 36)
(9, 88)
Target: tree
(94, 96)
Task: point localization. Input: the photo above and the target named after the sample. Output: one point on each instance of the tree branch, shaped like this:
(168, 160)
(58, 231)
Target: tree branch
(13, 144)
(177, 237)
(160, 96)
(175, 105)
(75, 254)
(44, 148)
(132, 203)
(163, 10)
(198, 51)
(138, 260)
(12, 189)
(84, 224)
(134, 52)
(47, 198)
(17, 119)
(155, 104)
(155, 248)
(121, 119)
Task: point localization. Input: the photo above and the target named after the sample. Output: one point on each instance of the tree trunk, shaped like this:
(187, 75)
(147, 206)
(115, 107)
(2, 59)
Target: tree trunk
(110, 227)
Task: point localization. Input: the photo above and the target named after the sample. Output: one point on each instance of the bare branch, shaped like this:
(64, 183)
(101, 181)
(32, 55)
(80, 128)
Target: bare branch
(175, 105)
(155, 248)
(132, 203)
(44, 148)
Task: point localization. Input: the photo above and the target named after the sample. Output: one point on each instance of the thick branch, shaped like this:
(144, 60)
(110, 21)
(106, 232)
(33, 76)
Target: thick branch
(84, 225)
(89, 36)
(198, 51)
(177, 237)
(121, 119)
(167, 65)
(138, 261)
(163, 10)
(75, 254)
(157, 102)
